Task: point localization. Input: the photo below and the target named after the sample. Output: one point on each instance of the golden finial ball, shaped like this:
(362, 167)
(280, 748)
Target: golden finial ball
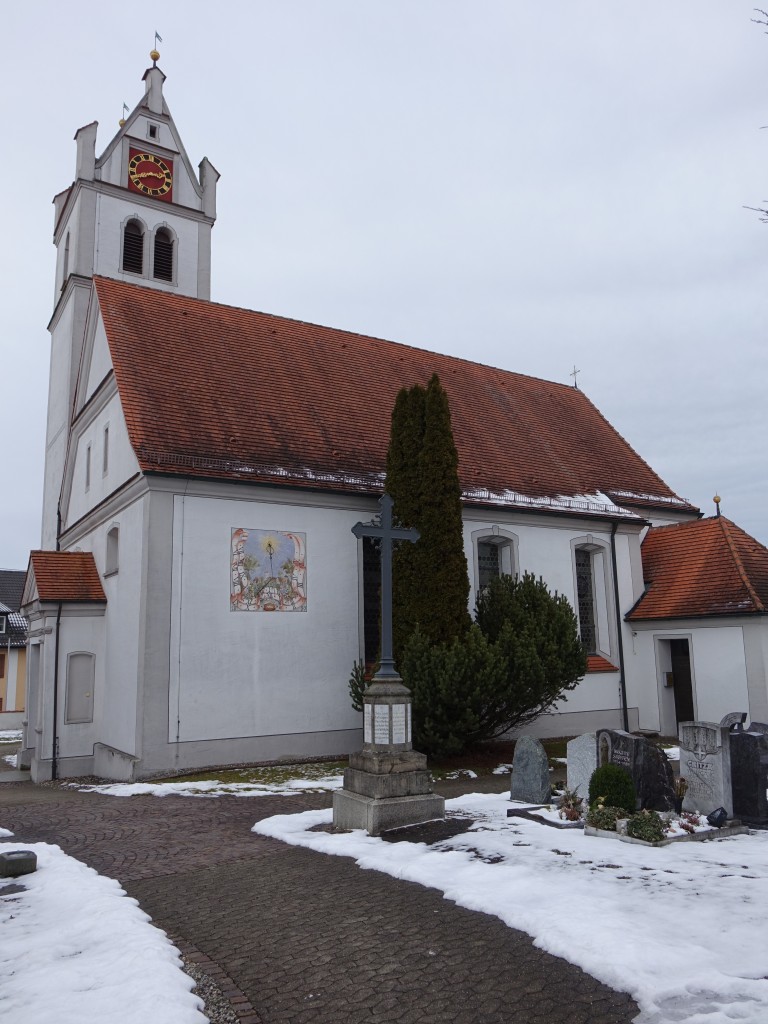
(717, 499)
(154, 55)
(121, 122)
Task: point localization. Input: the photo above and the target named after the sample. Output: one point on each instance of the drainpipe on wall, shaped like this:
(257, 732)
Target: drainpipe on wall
(55, 694)
(622, 680)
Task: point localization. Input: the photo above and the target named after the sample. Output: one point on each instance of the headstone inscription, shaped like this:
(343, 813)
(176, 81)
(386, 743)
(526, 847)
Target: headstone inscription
(645, 761)
(705, 763)
(749, 774)
(582, 761)
(530, 772)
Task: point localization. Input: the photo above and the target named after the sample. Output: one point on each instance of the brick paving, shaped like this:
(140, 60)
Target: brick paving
(292, 935)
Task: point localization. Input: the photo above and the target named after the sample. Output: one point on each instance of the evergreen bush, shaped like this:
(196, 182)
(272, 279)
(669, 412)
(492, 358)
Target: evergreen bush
(605, 817)
(646, 825)
(612, 785)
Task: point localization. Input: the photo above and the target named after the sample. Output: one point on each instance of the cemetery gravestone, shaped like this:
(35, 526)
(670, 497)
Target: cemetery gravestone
(582, 761)
(645, 761)
(530, 772)
(705, 763)
(749, 775)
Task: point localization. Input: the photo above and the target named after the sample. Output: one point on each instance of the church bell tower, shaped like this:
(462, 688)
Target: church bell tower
(137, 213)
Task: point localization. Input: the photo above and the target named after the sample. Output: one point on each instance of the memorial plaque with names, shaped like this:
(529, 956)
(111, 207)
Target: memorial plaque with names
(398, 723)
(367, 737)
(381, 724)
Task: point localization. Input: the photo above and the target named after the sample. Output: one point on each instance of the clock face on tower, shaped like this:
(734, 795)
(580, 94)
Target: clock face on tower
(150, 175)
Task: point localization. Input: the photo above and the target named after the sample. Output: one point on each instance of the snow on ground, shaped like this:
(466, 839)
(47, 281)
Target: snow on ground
(10, 735)
(214, 788)
(74, 949)
(10, 759)
(682, 927)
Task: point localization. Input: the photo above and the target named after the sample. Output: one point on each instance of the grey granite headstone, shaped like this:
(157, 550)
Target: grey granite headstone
(749, 775)
(705, 763)
(530, 772)
(645, 761)
(582, 761)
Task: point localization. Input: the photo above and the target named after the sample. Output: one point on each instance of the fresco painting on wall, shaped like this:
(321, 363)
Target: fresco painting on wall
(269, 571)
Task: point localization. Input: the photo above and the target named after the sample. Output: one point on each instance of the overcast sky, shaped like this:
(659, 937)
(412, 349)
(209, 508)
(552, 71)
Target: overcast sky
(531, 185)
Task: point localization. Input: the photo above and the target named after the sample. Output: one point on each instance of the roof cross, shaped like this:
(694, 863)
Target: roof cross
(574, 373)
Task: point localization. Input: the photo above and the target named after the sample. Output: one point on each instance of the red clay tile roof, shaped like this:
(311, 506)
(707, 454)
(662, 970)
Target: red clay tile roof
(596, 663)
(703, 568)
(217, 391)
(66, 576)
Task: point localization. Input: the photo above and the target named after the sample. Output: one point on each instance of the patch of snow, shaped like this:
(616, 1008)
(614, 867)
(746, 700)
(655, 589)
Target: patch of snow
(10, 759)
(213, 788)
(5, 832)
(681, 928)
(673, 753)
(10, 735)
(74, 949)
(502, 769)
(465, 773)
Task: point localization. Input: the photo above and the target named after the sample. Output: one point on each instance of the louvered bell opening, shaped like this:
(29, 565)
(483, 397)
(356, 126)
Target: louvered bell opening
(163, 256)
(133, 248)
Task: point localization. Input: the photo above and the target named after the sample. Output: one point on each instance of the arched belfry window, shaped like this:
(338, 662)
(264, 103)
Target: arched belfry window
(133, 247)
(163, 255)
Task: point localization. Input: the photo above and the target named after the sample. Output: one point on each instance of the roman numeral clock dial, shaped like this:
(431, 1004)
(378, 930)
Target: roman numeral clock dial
(150, 175)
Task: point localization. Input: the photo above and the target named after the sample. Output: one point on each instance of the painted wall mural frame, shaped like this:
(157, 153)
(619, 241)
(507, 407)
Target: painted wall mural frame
(268, 571)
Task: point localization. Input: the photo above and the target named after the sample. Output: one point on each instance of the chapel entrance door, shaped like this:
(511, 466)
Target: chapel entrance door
(681, 680)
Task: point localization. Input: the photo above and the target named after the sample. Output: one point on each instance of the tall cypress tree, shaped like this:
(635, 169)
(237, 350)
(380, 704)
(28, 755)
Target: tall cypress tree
(430, 586)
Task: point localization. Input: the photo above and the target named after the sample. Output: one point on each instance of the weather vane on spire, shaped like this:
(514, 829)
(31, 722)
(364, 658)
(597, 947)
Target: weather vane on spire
(121, 122)
(574, 373)
(154, 53)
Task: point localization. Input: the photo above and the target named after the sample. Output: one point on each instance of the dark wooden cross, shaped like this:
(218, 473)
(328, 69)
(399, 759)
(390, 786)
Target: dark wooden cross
(387, 534)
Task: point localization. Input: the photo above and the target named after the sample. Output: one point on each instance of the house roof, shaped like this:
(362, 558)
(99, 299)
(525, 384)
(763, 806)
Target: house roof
(217, 391)
(710, 567)
(66, 576)
(11, 587)
(15, 634)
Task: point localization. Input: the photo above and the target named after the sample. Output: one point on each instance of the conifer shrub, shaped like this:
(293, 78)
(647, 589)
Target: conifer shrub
(612, 785)
(646, 825)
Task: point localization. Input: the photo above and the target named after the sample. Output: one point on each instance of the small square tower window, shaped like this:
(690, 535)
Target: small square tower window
(152, 131)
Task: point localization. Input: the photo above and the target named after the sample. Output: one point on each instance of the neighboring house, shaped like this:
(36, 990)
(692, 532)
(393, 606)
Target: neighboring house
(205, 466)
(700, 630)
(13, 650)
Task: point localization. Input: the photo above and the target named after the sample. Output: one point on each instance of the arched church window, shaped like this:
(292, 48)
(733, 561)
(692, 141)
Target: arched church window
(585, 593)
(133, 247)
(163, 262)
(495, 554)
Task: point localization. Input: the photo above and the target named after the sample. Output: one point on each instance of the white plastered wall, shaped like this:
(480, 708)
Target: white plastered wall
(718, 670)
(239, 673)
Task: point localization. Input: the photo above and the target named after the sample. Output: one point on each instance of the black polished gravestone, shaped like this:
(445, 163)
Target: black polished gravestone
(645, 761)
(749, 774)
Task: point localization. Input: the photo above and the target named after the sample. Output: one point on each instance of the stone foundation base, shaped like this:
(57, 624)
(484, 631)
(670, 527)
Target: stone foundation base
(353, 810)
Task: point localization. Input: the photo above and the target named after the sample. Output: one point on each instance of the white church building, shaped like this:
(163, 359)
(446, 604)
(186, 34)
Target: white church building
(199, 598)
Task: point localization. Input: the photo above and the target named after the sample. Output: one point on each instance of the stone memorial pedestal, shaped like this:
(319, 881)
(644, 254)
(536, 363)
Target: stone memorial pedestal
(387, 784)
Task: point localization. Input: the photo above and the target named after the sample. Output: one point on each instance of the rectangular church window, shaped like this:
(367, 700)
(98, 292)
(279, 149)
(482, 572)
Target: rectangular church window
(586, 599)
(488, 563)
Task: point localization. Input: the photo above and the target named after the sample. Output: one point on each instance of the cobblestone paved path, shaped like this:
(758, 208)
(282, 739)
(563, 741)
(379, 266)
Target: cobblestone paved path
(291, 935)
